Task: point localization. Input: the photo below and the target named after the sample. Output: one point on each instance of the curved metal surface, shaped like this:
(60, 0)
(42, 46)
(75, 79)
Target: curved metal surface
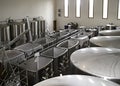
(4, 33)
(34, 29)
(98, 61)
(75, 80)
(105, 41)
(110, 33)
(16, 28)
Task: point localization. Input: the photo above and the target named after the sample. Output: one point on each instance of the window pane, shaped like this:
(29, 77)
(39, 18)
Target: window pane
(119, 10)
(105, 8)
(91, 8)
(78, 5)
(66, 8)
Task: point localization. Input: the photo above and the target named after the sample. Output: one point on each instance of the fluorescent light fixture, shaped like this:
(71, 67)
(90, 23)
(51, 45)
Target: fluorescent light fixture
(119, 10)
(78, 5)
(91, 8)
(66, 8)
(105, 8)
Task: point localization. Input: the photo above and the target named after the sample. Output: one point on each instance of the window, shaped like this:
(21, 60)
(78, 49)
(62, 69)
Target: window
(78, 8)
(119, 10)
(105, 8)
(91, 8)
(66, 8)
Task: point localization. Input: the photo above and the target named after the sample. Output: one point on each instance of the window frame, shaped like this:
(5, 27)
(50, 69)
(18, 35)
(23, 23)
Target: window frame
(103, 9)
(89, 9)
(64, 9)
(76, 9)
(118, 10)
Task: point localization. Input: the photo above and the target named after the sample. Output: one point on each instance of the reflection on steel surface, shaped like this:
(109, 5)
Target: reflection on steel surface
(105, 41)
(98, 61)
(110, 33)
(75, 80)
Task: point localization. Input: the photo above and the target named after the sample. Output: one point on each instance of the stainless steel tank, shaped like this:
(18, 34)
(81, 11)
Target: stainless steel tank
(34, 29)
(98, 61)
(109, 33)
(16, 28)
(37, 29)
(29, 34)
(105, 41)
(40, 26)
(4, 33)
(60, 59)
(76, 80)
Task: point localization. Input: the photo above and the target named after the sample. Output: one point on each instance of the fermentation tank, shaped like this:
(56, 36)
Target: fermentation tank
(40, 27)
(16, 28)
(76, 80)
(110, 33)
(98, 61)
(105, 41)
(34, 29)
(4, 34)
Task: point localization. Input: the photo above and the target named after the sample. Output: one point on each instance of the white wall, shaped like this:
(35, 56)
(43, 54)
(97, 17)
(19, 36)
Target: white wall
(84, 20)
(18, 9)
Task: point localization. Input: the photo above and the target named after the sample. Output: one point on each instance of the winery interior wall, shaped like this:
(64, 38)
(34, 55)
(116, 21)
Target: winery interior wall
(84, 20)
(18, 9)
